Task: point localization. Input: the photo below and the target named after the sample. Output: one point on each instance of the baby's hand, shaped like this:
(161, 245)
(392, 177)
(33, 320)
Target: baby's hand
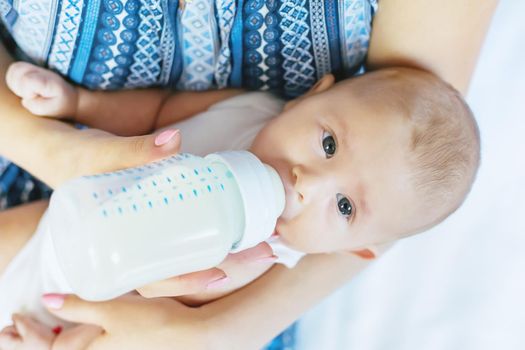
(43, 92)
(26, 333)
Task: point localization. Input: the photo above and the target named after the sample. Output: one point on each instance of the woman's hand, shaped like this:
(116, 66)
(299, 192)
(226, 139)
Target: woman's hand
(199, 287)
(92, 151)
(130, 322)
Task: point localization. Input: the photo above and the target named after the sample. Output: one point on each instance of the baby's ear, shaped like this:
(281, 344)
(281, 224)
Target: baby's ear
(366, 254)
(372, 252)
(323, 84)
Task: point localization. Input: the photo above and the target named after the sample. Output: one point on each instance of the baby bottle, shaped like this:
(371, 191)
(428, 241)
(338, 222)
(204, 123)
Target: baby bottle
(118, 231)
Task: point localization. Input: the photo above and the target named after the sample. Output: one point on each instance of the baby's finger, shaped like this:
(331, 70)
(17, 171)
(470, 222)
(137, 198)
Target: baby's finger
(190, 283)
(43, 106)
(14, 74)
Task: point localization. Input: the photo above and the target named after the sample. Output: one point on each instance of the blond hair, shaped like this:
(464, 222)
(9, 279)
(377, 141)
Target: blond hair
(445, 143)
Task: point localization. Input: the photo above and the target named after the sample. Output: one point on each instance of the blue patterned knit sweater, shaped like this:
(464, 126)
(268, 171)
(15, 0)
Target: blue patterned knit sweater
(278, 45)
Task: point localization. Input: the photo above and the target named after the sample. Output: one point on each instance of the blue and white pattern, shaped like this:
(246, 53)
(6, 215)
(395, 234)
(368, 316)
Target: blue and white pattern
(199, 45)
(254, 67)
(320, 38)
(111, 37)
(332, 31)
(355, 19)
(225, 10)
(168, 41)
(297, 47)
(8, 13)
(145, 70)
(278, 45)
(85, 43)
(262, 61)
(33, 29)
(66, 33)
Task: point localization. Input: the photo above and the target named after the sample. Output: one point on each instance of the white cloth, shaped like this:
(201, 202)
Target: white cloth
(229, 125)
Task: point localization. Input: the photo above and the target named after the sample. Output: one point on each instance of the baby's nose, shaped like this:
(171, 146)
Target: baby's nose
(306, 184)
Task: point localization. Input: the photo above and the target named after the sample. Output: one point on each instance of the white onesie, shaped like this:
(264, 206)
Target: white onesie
(228, 125)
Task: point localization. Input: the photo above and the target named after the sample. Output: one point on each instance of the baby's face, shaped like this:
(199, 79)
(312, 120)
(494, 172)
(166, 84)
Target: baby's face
(344, 168)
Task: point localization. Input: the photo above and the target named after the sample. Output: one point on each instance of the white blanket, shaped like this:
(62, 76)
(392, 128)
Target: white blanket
(462, 284)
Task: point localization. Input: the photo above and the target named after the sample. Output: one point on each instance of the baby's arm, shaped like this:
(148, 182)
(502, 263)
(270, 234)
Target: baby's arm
(125, 112)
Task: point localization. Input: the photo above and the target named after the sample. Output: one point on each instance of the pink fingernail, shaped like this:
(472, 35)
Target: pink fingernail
(165, 137)
(218, 283)
(267, 259)
(53, 301)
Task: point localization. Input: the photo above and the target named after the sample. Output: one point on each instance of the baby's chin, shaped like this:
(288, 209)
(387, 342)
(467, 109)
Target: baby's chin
(289, 240)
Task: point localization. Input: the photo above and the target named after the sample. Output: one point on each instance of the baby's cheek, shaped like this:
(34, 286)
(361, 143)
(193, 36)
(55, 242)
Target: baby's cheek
(304, 234)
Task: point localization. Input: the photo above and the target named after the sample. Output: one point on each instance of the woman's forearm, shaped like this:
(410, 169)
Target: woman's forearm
(443, 37)
(25, 139)
(250, 317)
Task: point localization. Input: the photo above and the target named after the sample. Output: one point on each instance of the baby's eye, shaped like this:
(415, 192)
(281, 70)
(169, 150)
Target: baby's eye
(344, 205)
(329, 145)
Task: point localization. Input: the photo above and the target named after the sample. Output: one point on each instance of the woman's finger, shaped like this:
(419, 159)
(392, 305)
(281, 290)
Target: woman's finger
(27, 326)
(115, 152)
(73, 309)
(77, 338)
(190, 283)
(201, 281)
(260, 253)
(107, 314)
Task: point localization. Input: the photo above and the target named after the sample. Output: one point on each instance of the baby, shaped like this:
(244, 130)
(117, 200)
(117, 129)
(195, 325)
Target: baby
(364, 162)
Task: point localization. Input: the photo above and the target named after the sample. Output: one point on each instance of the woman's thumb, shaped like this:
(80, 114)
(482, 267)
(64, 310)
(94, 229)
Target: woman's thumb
(127, 152)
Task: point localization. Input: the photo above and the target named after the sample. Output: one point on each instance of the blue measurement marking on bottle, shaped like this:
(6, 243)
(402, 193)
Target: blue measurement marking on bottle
(195, 192)
(134, 207)
(182, 175)
(209, 188)
(124, 189)
(154, 183)
(222, 187)
(95, 195)
(196, 171)
(110, 192)
(168, 179)
(181, 197)
(165, 200)
(120, 210)
(105, 213)
(139, 187)
(150, 204)
(209, 170)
